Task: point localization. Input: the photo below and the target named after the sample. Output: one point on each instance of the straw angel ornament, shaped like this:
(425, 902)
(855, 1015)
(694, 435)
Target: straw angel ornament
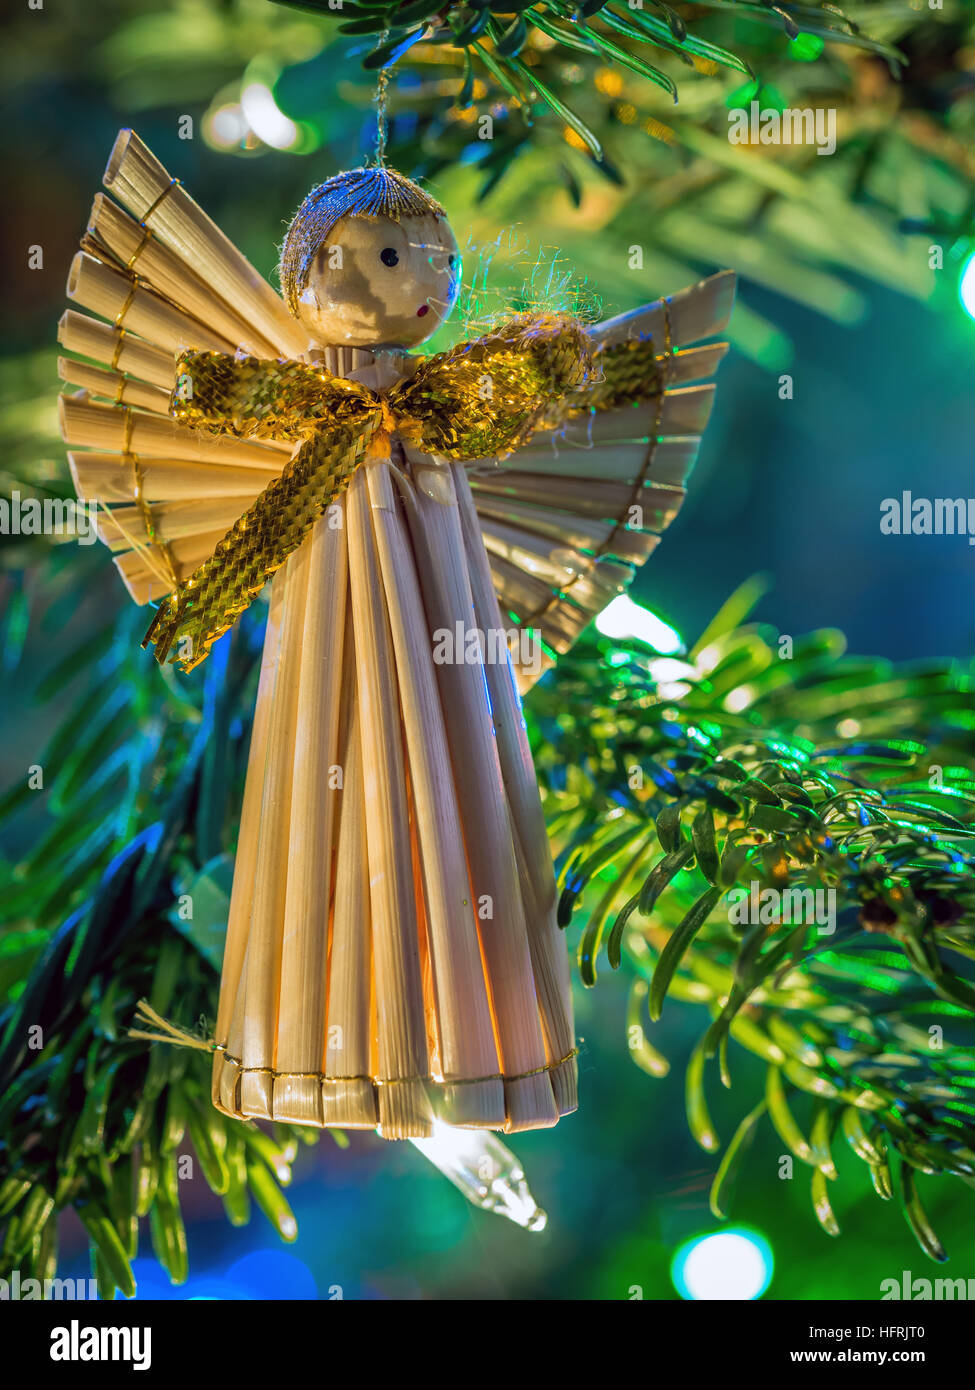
(392, 954)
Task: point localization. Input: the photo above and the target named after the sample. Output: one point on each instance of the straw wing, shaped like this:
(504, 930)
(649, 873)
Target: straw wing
(160, 277)
(567, 519)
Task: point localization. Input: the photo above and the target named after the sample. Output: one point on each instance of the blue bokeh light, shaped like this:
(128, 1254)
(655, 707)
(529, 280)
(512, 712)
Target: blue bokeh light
(273, 1273)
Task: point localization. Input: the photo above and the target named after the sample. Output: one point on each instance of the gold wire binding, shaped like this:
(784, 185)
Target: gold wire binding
(668, 332)
(170, 565)
(172, 1033)
(558, 595)
(638, 486)
(395, 1080)
(173, 184)
(119, 344)
(129, 457)
(127, 302)
(146, 238)
(606, 547)
(112, 515)
(137, 491)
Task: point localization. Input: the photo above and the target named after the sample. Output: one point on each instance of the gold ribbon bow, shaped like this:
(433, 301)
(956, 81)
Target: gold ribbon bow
(476, 401)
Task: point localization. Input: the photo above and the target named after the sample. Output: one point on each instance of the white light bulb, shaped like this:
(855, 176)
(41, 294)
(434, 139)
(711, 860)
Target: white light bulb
(488, 1174)
(623, 618)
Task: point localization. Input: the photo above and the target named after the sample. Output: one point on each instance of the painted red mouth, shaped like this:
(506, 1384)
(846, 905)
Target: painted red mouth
(423, 309)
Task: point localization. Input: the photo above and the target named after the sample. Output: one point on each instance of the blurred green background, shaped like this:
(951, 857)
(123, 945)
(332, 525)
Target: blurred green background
(880, 351)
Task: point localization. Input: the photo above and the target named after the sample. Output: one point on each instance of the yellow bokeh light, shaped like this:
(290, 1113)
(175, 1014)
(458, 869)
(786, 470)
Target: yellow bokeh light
(659, 131)
(609, 82)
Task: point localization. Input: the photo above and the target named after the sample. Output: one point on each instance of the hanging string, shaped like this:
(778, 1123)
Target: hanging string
(382, 82)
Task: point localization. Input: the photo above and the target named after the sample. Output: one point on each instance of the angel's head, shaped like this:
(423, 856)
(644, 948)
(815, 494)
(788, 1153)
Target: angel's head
(370, 260)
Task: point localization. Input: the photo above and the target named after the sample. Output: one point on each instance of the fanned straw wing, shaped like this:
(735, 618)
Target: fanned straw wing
(568, 518)
(160, 277)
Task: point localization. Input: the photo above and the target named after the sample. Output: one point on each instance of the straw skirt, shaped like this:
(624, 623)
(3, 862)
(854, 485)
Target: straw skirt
(392, 955)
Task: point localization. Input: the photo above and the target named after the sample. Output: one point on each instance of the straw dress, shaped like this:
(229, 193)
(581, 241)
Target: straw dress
(392, 952)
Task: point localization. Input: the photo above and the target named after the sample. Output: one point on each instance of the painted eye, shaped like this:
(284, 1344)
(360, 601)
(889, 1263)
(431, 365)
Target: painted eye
(389, 257)
(451, 261)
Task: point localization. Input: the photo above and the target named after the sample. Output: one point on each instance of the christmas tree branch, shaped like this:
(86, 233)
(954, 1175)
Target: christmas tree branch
(91, 1117)
(784, 836)
(508, 26)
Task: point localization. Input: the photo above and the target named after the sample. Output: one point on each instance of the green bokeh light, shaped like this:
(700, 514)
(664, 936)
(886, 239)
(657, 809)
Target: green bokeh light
(805, 48)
